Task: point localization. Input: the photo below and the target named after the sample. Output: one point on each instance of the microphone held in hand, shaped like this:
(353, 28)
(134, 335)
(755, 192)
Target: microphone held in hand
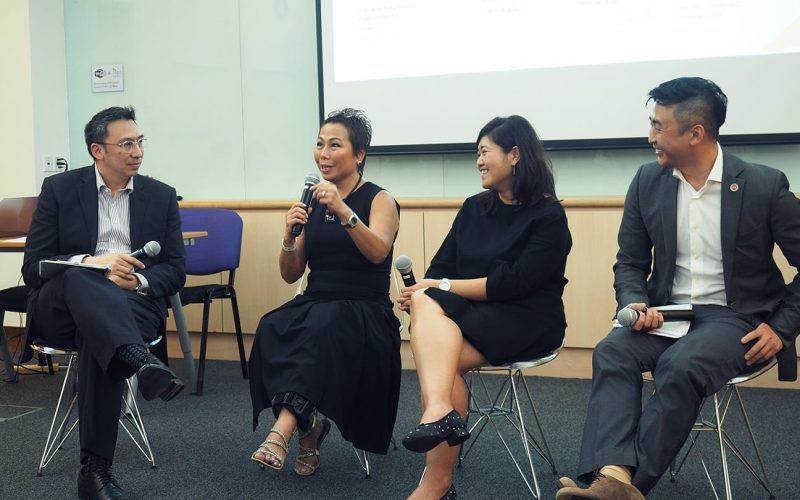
(150, 249)
(627, 316)
(307, 199)
(404, 266)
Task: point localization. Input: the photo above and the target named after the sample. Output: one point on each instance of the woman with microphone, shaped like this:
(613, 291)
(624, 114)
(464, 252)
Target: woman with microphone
(492, 294)
(335, 349)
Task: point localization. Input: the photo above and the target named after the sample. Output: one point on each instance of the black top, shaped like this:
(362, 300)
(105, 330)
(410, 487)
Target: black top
(522, 251)
(335, 263)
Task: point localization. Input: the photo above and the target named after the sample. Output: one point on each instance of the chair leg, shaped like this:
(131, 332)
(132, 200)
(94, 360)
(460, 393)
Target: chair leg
(507, 404)
(763, 479)
(544, 448)
(49, 360)
(519, 423)
(723, 456)
(201, 365)
(55, 440)
(239, 339)
(130, 413)
(363, 459)
(5, 353)
(485, 414)
(722, 401)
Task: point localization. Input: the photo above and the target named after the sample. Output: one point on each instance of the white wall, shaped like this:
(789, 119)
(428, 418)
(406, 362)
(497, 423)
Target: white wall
(225, 90)
(16, 101)
(227, 93)
(16, 122)
(49, 84)
(33, 105)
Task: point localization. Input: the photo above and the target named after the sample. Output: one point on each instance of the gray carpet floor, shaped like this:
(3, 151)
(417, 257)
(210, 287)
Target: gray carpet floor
(203, 444)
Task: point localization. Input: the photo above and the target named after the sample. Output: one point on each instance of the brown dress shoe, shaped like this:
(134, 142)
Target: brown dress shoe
(602, 488)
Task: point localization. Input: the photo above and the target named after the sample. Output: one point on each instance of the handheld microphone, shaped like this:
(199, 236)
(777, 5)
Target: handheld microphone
(627, 316)
(150, 249)
(404, 266)
(307, 199)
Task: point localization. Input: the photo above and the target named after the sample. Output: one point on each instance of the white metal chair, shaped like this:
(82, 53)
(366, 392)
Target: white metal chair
(66, 404)
(722, 401)
(506, 405)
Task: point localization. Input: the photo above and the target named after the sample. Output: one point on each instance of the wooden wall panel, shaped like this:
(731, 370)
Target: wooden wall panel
(259, 286)
(589, 295)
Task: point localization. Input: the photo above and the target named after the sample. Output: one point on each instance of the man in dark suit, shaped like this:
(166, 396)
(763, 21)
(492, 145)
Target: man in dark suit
(699, 227)
(99, 215)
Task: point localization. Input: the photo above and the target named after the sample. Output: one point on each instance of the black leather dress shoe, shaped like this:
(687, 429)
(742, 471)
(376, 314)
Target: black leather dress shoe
(425, 437)
(155, 379)
(98, 485)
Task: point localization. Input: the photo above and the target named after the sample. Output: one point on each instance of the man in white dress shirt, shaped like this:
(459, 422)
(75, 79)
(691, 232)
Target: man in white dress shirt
(698, 228)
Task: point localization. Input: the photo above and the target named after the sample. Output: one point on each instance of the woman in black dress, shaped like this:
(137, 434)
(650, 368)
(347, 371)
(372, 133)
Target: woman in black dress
(492, 293)
(335, 349)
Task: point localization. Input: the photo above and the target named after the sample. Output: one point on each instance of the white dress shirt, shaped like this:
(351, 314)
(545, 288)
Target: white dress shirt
(699, 275)
(113, 222)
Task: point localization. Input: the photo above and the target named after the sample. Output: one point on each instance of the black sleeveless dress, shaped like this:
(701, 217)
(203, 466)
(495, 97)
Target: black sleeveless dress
(337, 344)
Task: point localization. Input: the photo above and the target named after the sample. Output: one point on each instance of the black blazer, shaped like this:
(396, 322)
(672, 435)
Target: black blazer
(758, 211)
(65, 224)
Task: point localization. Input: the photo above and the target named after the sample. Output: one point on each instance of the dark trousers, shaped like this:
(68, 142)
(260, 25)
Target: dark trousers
(83, 309)
(618, 430)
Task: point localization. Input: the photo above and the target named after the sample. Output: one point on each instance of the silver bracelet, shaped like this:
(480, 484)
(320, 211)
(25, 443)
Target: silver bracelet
(289, 248)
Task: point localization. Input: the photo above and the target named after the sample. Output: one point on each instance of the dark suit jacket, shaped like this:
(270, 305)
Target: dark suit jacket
(65, 224)
(754, 217)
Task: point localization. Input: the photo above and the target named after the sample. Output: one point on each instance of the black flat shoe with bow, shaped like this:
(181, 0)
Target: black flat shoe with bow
(450, 494)
(425, 437)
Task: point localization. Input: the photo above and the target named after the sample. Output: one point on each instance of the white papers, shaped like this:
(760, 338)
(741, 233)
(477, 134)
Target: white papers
(671, 329)
(50, 268)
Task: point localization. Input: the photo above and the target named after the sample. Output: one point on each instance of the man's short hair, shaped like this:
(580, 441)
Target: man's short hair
(96, 131)
(697, 101)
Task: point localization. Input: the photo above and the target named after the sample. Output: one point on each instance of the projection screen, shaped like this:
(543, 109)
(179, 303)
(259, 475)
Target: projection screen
(430, 73)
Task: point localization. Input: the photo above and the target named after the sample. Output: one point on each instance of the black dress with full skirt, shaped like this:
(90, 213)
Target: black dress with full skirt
(337, 344)
(522, 251)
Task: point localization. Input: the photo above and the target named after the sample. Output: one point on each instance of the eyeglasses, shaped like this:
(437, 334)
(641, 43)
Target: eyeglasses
(127, 146)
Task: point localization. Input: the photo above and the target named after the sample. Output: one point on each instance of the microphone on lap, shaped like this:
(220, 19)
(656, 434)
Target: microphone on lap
(627, 316)
(307, 199)
(150, 249)
(404, 266)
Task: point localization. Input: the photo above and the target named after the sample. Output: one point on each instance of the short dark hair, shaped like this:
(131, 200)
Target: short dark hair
(359, 130)
(533, 175)
(696, 100)
(96, 131)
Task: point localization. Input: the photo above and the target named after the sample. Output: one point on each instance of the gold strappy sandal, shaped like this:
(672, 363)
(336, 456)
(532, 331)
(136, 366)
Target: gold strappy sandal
(264, 451)
(302, 464)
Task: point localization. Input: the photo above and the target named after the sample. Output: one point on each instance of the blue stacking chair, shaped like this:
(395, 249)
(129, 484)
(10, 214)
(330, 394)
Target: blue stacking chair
(217, 252)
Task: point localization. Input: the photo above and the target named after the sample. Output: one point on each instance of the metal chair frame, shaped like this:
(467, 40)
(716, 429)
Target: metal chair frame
(57, 436)
(722, 401)
(506, 405)
(363, 458)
